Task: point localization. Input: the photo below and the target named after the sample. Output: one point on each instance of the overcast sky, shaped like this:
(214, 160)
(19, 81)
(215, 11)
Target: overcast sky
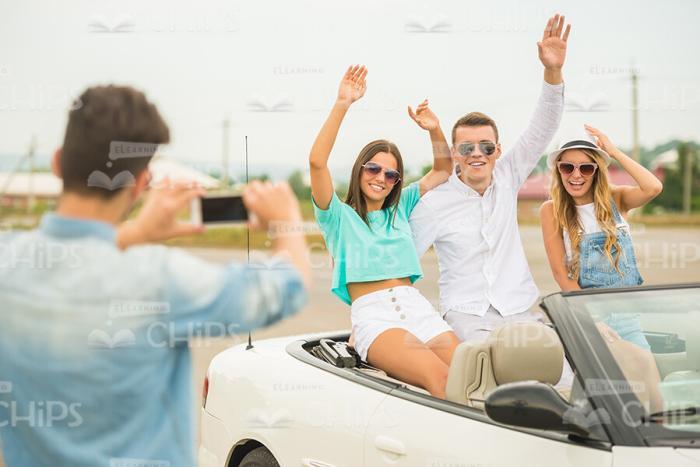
(273, 69)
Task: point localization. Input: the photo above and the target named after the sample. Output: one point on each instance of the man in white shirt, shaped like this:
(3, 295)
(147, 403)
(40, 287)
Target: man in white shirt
(471, 219)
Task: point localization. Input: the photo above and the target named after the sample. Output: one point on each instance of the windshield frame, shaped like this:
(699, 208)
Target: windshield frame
(590, 357)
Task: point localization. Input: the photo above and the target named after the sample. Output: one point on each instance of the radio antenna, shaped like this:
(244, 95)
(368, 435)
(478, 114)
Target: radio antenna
(246, 182)
(250, 334)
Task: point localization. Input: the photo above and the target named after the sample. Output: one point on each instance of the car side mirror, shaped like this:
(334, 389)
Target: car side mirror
(531, 404)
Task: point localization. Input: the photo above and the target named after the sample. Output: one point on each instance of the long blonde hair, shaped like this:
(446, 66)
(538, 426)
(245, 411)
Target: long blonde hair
(566, 216)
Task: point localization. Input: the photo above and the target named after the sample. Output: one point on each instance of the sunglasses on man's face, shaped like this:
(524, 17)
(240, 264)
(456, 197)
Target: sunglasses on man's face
(391, 176)
(586, 168)
(486, 147)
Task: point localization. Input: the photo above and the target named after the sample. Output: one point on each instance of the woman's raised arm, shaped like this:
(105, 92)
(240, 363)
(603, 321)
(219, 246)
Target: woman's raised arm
(648, 186)
(442, 160)
(352, 87)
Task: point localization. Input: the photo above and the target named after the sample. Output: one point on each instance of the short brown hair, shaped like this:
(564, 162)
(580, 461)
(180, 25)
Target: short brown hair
(106, 121)
(474, 119)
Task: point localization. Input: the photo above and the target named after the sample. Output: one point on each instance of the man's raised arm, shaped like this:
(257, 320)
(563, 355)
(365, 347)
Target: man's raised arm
(531, 144)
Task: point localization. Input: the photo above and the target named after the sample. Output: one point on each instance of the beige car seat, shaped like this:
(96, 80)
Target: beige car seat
(513, 352)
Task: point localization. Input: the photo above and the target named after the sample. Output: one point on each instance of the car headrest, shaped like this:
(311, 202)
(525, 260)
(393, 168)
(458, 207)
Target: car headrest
(513, 352)
(526, 351)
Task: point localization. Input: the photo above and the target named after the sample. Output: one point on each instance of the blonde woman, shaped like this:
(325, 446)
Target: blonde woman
(588, 240)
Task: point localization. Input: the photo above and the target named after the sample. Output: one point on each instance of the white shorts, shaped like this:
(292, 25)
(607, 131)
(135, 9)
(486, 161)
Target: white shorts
(476, 329)
(400, 307)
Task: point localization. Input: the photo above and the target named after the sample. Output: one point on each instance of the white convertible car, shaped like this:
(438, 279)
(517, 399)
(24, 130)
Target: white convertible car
(310, 401)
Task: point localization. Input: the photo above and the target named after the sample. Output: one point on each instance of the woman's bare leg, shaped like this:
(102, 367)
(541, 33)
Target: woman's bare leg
(403, 356)
(639, 367)
(444, 345)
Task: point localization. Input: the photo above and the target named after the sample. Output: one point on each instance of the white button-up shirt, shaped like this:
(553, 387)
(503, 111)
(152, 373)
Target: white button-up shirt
(480, 254)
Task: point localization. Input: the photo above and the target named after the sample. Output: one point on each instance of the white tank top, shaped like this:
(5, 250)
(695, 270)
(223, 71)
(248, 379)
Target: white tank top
(589, 225)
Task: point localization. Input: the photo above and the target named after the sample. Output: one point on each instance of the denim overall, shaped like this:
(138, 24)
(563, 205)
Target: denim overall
(597, 272)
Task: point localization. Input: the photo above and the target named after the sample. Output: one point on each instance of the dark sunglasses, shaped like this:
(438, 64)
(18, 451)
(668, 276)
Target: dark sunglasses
(391, 176)
(587, 168)
(486, 147)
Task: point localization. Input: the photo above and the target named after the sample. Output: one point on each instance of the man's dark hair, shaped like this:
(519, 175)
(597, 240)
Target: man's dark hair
(474, 119)
(111, 136)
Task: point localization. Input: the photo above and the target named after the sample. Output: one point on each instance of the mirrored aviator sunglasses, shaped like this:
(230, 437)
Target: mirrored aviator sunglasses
(391, 176)
(586, 168)
(487, 148)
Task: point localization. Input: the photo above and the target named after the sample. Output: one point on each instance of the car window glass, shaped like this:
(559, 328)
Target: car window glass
(654, 337)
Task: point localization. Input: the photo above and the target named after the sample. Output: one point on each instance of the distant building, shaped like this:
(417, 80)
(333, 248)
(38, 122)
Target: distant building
(17, 189)
(162, 167)
(664, 160)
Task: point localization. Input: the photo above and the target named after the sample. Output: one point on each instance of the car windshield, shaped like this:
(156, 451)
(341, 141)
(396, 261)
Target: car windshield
(654, 338)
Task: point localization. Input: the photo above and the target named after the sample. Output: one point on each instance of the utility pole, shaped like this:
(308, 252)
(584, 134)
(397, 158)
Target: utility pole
(224, 151)
(31, 199)
(687, 177)
(635, 117)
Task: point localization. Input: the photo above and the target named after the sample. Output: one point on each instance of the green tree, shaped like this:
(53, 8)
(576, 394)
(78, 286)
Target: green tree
(296, 182)
(671, 198)
(341, 188)
(261, 177)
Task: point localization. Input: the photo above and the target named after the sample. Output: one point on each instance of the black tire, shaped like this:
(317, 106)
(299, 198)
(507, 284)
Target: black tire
(259, 457)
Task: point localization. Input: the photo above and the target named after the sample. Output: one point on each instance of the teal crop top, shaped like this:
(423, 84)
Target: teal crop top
(364, 254)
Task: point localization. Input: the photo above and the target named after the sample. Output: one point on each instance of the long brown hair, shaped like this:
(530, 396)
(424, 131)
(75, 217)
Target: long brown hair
(566, 216)
(355, 197)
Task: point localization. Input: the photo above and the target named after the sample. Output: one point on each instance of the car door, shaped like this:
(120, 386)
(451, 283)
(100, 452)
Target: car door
(405, 431)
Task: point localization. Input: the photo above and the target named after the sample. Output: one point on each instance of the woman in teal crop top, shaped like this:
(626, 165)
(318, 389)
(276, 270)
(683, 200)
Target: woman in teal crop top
(369, 238)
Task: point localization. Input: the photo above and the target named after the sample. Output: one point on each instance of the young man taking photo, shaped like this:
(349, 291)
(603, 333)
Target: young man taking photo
(95, 366)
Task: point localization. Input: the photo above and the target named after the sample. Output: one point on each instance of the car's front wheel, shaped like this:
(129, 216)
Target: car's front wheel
(259, 457)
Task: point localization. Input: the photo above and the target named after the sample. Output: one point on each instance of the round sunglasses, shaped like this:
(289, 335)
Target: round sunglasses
(586, 168)
(391, 176)
(486, 147)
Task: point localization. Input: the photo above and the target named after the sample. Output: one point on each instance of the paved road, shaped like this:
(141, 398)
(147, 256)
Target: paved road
(665, 255)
